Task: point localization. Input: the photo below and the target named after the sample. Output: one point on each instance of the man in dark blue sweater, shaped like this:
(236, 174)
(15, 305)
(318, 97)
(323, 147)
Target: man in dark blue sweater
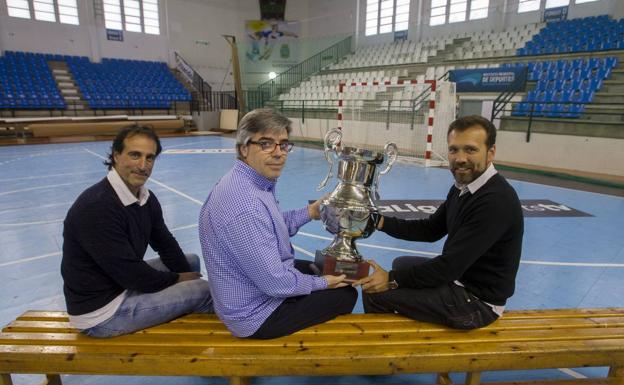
(109, 289)
(466, 286)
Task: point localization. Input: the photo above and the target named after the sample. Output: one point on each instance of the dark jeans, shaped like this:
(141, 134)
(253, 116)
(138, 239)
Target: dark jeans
(297, 313)
(449, 304)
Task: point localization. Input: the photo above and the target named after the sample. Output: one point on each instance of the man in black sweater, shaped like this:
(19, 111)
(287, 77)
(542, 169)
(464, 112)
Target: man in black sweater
(467, 286)
(109, 289)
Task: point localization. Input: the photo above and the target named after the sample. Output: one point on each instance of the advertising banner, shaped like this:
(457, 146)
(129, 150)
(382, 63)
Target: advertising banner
(490, 79)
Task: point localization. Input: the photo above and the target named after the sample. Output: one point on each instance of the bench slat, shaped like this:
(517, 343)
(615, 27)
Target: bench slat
(511, 314)
(322, 339)
(311, 361)
(352, 327)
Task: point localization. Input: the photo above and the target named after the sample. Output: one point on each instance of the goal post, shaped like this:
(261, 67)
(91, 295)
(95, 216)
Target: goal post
(414, 115)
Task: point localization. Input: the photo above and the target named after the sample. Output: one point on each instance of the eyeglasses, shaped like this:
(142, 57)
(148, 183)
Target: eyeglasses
(269, 145)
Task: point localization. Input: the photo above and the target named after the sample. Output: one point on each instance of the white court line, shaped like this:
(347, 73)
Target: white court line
(39, 188)
(176, 191)
(30, 223)
(35, 207)
(184, 227)
(304, 251)
(24, 260)
(35, 258)
(187, 144)
(426, 253)
(370, 245)
(48, 176)
(572, 373)
(576, 264)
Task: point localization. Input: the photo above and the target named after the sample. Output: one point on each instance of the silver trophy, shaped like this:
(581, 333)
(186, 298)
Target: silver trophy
(349, 211)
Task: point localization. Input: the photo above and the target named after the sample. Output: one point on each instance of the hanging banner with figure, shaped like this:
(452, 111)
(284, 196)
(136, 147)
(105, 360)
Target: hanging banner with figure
(272, 41)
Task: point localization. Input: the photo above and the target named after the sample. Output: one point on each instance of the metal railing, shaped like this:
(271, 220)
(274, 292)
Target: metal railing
(586, 112)
(301, 71)
(81, 108)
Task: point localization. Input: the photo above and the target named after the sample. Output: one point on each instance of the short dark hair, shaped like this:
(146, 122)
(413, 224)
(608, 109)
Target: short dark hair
(465, 122)
(263, 120)
(128, 132)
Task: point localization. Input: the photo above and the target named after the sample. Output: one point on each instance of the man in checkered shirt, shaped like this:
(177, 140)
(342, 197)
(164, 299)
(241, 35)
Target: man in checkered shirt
(259, 289)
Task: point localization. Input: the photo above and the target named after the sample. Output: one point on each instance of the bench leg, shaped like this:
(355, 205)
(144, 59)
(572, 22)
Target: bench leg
(240, 380)
(52, 379)
(617, 372)
(473, 378)
(5, 379)
(444, 379)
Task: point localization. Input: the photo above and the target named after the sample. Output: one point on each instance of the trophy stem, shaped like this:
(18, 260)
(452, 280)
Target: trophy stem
(343, 248)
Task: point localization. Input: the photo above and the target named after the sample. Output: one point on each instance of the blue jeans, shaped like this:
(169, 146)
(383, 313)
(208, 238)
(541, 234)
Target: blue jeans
(142, 310)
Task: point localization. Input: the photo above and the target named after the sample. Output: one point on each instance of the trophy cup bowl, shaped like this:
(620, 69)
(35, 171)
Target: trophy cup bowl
(348, 211)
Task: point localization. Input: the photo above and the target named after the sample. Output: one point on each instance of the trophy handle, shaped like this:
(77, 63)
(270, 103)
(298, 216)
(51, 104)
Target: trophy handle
(391, 152)
(331, 142)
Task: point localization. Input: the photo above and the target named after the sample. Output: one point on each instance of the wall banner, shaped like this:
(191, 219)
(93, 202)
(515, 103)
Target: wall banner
(490, 79)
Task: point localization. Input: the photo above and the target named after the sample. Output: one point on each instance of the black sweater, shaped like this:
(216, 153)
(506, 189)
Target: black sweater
(483, 247)
(103, 248)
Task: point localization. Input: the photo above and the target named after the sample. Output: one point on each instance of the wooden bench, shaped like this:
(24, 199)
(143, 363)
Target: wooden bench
(357, 344)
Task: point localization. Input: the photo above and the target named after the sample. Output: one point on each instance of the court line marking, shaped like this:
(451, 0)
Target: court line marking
(48, 176)
(57, 253)
(26, 156)
(30, 259)
(418, 252)
(31, 223)
(35, 207)
(39, 188)
(188, 144)
(572, 373)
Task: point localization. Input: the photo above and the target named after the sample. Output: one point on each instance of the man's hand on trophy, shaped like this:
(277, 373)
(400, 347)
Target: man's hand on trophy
(377, 220)
(335, 281)
(314, 208)
(376, 282)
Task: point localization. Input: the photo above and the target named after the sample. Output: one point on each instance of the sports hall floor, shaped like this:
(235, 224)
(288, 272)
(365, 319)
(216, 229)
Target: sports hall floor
(566, 262)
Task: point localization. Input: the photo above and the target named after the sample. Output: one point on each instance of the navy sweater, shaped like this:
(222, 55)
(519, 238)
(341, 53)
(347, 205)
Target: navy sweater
(483, 247)
(103, 248)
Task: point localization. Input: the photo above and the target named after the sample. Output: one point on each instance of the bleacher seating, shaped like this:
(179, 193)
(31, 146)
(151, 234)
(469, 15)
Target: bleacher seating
(595, 33)
(564, 86)
(26, 82)
(120, 83)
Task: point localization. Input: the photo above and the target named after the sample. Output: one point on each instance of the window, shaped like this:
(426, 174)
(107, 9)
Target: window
(479, 9)
(150, 17)
(64, 11)
(68, 11)
(383, 16)
(438, 12)
(584, 1)
(528, 5)
(44, 10)
(556, 3)
(18, 8)
(132, 15)
(401, 18)
(457, 11)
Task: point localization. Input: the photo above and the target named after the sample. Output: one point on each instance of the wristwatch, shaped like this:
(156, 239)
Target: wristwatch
(392, 283)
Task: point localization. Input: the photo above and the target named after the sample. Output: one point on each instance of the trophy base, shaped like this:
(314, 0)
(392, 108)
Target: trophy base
(331, 266)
